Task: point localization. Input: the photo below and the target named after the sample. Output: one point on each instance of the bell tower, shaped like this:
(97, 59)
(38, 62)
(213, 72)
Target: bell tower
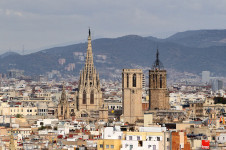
(132, 95)
(158, 93)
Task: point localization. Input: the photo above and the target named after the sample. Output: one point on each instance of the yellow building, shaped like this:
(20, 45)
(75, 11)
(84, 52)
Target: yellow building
(110, 144)
(156, 137)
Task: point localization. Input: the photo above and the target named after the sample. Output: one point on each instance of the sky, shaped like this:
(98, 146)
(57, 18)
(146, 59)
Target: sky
(38, 24)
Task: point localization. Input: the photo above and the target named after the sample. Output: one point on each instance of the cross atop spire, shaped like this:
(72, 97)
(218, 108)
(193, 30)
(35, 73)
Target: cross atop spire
(157, 64)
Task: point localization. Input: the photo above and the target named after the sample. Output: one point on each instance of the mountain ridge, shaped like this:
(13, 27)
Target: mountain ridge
(113, 54)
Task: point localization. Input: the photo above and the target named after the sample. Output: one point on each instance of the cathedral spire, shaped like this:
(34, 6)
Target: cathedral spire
(89, 54)
(89, 32)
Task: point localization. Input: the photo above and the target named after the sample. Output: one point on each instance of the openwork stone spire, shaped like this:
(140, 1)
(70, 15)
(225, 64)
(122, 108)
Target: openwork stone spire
(89, 76)
(157, 64)
(89, 55)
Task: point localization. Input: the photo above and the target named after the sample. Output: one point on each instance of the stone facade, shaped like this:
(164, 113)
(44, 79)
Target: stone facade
(132, 95)
(88, 98)
(158, 93)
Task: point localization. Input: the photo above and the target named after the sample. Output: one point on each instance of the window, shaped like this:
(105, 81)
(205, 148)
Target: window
(101, 146)
(168, 139)
(131, 147)
(123, 80)
(158, 138)
(130, 137)
(138, 138)
(112, 146)
(84, 97)
(149, 146)
(92, 97)
(160, 81)
(107, 146)
(134, 80)
(149, 138)
(62, 110)
(127, 76)
(84, 115)
(154, 147)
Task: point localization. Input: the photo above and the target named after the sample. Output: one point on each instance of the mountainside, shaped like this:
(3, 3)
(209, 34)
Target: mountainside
(200, 38)
(8, 54)
(111, 55)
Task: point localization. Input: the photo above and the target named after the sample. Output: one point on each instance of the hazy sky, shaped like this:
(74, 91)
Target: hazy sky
(38, 24)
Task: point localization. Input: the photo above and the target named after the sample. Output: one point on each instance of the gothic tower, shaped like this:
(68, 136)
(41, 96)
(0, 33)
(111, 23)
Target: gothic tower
(63, 107)
(89, 95)
(132, 95)
(158, 93)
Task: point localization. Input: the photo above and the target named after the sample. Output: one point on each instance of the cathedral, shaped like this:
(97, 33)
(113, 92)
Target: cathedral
(88, 99)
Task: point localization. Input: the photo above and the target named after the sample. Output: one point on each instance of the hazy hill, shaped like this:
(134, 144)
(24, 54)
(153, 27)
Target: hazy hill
(200, 38)
(111, 55)
(6, 54)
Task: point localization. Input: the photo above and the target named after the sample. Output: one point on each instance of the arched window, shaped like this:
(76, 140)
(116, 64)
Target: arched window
(134, 80)
(92, 97)
(61, 110)
(160, 81)
(84, 97)
(156, 80)
(127, 80)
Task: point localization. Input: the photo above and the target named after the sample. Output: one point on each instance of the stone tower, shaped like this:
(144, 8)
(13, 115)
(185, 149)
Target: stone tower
(11, 142)
(132, 95)
(158, 93)
(89, 95)
(63, 111)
